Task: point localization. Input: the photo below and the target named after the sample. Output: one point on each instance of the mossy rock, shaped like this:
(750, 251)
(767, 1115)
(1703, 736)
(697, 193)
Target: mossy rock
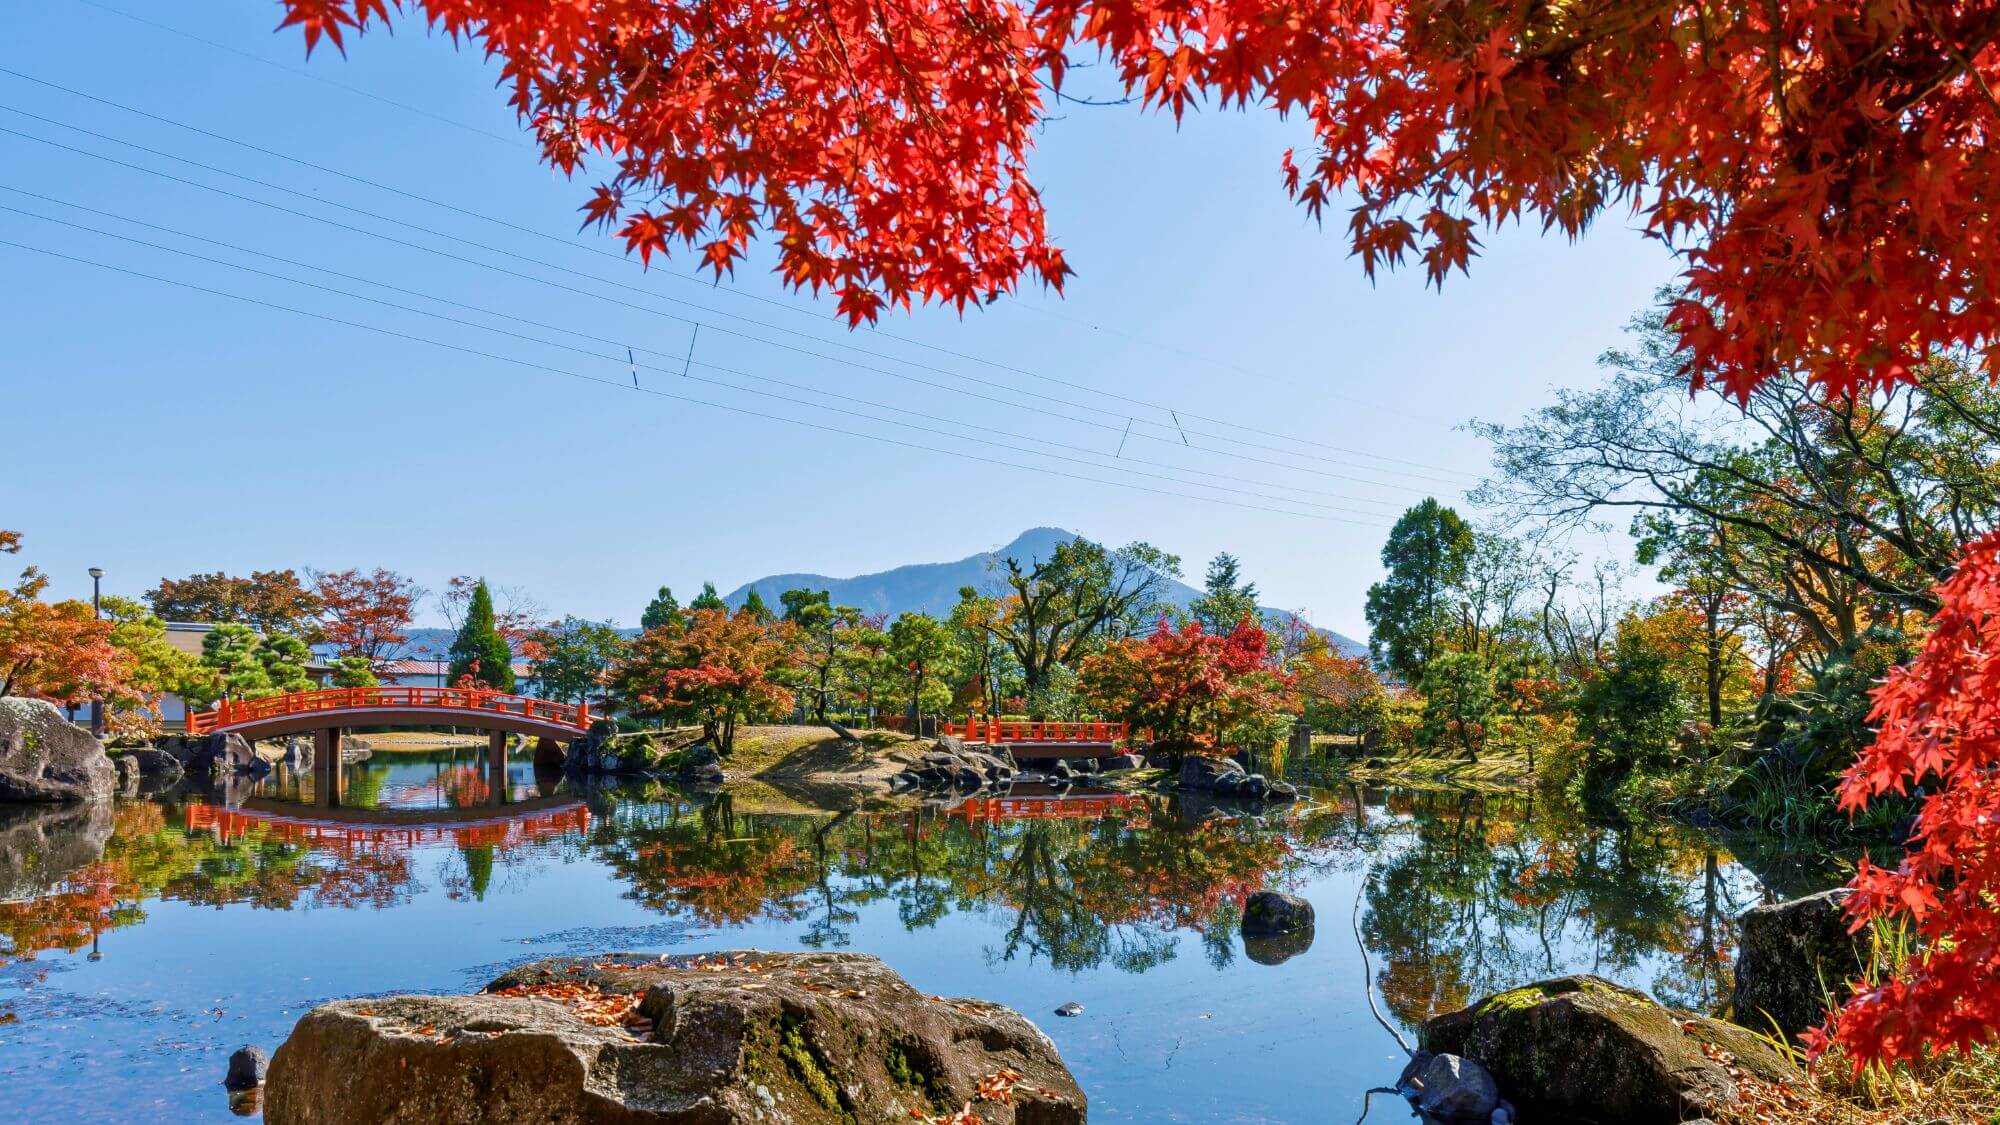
(806, 1038)
(1583, 1048)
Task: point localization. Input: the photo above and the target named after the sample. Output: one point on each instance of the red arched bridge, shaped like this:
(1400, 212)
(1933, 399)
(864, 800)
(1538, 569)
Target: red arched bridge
(323, 714)
(392, 707)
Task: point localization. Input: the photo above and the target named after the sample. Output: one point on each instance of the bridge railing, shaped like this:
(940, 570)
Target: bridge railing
(234, 712)
(1000, 731)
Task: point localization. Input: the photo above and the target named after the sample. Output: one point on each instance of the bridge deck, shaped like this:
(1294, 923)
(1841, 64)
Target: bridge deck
(393, 706)
(1032, 739)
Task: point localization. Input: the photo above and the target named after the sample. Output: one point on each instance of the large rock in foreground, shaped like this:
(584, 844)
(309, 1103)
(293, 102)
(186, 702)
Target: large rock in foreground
(1584, 1048)
(776, 1037)
(45, 757)
(1791, 955)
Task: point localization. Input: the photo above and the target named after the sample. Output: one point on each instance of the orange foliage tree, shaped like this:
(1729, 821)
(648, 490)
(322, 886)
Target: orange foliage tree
(1187, 685)
(720, 666)
(57, 651)
(365, 615)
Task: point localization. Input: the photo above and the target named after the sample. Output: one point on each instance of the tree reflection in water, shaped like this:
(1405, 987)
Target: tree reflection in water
(1464, 893)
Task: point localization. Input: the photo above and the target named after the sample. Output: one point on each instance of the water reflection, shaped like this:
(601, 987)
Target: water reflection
(1458, 894)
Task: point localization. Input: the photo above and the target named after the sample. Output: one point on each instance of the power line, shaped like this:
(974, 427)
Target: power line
(647, 390)
(299, 71)
(789, 306)
(683, 319)
(634, 365)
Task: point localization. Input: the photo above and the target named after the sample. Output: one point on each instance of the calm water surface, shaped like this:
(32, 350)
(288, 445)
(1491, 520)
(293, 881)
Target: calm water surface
(140, 944)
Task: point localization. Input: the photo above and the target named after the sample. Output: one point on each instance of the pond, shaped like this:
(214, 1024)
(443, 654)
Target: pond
(141, 944)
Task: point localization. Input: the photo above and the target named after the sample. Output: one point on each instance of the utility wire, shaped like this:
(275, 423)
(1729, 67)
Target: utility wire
(668, 315)
(978, 430)
(299, 71)
(789, 306)
(646, 390)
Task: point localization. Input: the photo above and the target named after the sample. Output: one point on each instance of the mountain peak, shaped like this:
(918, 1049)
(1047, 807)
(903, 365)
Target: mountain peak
(933, 587)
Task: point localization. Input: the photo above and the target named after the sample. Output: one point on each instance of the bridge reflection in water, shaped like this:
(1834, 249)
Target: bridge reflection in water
(348, 831)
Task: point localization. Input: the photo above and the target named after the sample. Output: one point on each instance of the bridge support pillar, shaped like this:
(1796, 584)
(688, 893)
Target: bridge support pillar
(326, 767)
(496, 767)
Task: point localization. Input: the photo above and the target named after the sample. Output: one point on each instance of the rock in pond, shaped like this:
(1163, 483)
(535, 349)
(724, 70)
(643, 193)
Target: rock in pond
(726, 1037)
(155, 765)
(1790, 955)
(45, 757)
(1274, 912)
(1449, 1088)
(1070, 1010)
(1584, 1048)
(246, 1069)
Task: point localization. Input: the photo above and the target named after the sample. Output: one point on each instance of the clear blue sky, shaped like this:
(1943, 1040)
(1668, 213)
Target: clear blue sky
(154, 430)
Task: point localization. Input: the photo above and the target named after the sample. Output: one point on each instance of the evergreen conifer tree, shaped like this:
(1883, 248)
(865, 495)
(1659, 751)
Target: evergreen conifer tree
(480, 651)
(662, 610)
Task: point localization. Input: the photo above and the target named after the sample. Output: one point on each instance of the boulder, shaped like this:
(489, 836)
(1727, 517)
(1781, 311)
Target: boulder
(549, 755)
(224, 754)
(128, 776)
(45, 757)
(700, 765)
(1586, 1048)
(951, 744)
(1453, 1089)
(40, 846)
(1274, 912)
(246, 1069)
(1117, 763)
(806, 1038)
(1061, 768)
(1198, 772)
(1790, 957)
(155, 765)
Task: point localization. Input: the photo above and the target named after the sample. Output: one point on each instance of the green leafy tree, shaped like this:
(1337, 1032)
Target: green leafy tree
(157, 667)
(663, 610)
(479, 652)
(1629, 714)
(574, 656)
(1226, 597)
(708, 599)
(1458, 701)
(1069, 605)
(925, 650)
(1411, 610)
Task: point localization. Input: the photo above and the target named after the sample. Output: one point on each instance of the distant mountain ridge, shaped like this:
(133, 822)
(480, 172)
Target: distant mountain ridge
(916, 588)
(933, 587)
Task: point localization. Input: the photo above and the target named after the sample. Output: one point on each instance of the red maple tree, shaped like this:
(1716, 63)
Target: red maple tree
(366, 614)
(1188, 686)
(1936, 729)
(1823, 164)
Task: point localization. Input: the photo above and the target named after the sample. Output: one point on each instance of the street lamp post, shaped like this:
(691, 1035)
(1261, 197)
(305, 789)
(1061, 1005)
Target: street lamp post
(97, 610)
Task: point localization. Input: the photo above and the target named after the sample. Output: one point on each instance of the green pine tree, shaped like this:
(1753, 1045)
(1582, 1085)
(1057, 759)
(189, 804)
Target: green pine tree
(708, 599)
(755, 607)
(662, 610)
(479, 650)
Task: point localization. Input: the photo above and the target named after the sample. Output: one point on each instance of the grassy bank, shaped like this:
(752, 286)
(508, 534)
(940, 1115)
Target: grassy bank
(1342, 756)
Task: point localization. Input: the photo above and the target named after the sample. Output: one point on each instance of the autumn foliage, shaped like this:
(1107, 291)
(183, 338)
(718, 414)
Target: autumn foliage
(1823, 163)
(1936, 729)
(59, 651)
(1187, 685)
(721, 668)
